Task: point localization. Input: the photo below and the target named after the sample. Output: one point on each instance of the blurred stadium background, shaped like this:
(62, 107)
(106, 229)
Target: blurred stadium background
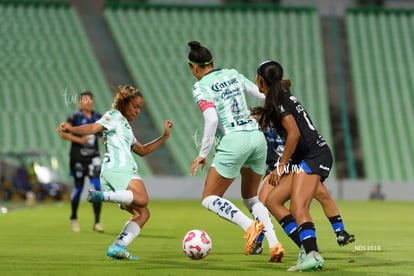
(351, 64)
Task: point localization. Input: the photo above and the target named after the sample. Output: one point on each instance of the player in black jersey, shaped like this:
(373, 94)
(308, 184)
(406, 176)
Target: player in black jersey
(275, 150)
(84, 158)
(306, 156)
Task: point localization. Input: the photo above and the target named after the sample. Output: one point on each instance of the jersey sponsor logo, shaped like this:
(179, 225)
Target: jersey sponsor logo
(230, 93)
(218, 86)
(240, 123)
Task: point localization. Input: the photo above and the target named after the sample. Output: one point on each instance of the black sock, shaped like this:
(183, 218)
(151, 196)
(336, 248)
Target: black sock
(97, 211)
(308, 236)
(290, 227)
(336, 223)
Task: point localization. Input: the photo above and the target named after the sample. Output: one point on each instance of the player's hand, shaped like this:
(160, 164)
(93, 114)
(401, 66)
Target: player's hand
(83, 140)
(198, 161)
(167, 126)
(276, 175)
(64, 127)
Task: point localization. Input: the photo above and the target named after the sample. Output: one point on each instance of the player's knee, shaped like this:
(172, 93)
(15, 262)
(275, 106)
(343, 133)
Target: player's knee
(141, 200)
(249, 202)
(76, 193)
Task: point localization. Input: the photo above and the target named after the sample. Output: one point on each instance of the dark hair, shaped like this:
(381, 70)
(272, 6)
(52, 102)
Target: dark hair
(84, 96)
(199, 55)
(124, 95)
(272, 73)
(86, 93)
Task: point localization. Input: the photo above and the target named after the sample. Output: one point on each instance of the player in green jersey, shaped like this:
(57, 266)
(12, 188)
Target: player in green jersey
(240, 147)
(120, 179)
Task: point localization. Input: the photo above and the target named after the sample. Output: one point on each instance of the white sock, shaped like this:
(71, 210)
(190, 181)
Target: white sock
(260, 212)
(130, 231)
(123, 197)
(226, 210)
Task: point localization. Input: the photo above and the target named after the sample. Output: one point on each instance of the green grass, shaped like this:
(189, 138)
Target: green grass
(37, 240)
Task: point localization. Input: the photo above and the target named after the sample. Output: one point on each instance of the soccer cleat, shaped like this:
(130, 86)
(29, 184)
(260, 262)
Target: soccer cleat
(344, 238)
(312, 261)
(95, 196)
(98, 227)
(302, 254)
(251, 235)
(276, 253)
(75, 225)
(119, 252)
(258, 249)
(259, 245)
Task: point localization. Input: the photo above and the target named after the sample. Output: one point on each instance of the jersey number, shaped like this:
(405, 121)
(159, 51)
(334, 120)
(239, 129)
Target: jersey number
(308, 121)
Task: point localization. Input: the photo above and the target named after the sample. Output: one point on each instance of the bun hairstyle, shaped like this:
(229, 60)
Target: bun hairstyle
(199, 55)
(124, 95)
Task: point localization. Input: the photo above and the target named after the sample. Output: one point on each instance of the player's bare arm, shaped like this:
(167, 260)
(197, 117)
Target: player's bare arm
(147, 148)
(81, 130)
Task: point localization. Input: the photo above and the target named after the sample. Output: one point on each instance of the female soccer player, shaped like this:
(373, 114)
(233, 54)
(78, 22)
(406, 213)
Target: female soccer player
(119, 177)
(281, 213)
(241, 149)
(275, 148)
(305, 150)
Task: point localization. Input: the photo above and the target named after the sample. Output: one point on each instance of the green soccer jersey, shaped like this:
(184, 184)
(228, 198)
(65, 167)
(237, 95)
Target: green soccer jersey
(118, 140)
(225, 90)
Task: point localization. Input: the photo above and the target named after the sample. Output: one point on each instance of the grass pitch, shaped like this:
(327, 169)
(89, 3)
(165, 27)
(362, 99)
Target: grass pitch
(37, 240)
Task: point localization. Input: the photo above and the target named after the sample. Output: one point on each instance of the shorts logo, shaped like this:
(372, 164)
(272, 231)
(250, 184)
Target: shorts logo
(324, 168)
(225, 164)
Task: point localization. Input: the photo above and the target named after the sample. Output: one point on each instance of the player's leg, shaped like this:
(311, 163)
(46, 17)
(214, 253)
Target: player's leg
(302, 192)
(212, 199)
(264, 189)
(263, 192)
(97, 206)
(94, 172)
(275, 202)
(214, 188)
(303, 189)
(132, 228)
(260, 212)
(78, 171)
(332, 213)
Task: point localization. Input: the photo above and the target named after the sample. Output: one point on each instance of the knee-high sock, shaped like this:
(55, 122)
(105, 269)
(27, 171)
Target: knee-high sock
(290, 227)
(337, 223)
(307, 236)
(227, 210)
(123, 197)
(260, 212)
(130, 231)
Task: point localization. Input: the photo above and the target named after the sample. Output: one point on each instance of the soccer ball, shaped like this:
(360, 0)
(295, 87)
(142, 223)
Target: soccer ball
(197, 244)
